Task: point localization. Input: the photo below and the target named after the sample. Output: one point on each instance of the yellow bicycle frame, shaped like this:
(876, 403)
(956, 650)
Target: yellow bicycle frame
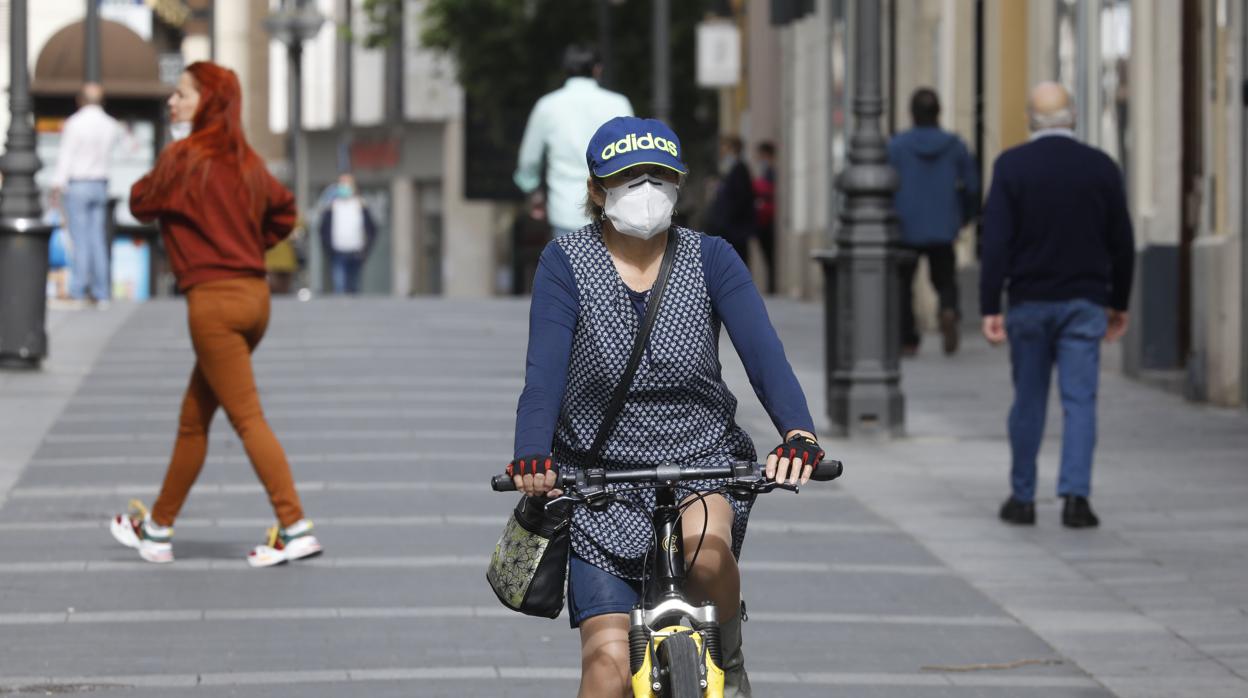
(641, 680)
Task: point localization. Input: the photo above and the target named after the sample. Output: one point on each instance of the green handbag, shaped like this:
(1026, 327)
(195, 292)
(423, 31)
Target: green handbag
(529, 568)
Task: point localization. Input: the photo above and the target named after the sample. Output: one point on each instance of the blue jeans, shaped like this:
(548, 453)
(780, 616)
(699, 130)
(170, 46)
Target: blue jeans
(1041, 334)
(346, 272)
(86, 204)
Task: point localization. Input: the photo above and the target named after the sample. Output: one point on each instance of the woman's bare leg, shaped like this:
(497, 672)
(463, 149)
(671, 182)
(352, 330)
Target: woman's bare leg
(604, 657)
(714, 575)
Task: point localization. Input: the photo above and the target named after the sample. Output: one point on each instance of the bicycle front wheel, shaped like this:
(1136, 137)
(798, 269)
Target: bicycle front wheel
(680, 662)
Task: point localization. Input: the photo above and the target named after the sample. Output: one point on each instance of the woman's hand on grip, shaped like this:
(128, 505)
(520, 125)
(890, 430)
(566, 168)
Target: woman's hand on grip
(795, 459)
(535, 476)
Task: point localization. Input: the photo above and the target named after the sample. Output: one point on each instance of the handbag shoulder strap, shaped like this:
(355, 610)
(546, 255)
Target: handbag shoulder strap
(639, 348)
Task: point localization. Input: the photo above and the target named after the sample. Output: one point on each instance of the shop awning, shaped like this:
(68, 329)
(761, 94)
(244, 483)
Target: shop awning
(129, 67)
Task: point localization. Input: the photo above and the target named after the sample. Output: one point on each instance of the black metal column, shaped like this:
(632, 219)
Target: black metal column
(604, 43)
(864, 393)
(662, 58)
(294, 23)
(23, 236)
(91, 48)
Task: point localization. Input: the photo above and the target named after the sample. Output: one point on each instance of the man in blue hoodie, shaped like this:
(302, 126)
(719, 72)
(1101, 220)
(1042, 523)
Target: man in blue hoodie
(939, 193)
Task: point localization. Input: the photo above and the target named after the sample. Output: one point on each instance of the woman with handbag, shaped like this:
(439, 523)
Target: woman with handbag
(219, 209)
(590, 295)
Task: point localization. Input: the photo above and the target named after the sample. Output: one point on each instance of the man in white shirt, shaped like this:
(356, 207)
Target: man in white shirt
(560, 126)
(81, 182)
(347, 234)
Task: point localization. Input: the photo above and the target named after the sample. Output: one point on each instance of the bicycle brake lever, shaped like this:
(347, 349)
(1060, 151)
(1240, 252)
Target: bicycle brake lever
(770, 485)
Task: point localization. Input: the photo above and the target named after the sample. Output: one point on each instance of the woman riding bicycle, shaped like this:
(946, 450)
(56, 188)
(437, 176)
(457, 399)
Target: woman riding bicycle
(589, 295)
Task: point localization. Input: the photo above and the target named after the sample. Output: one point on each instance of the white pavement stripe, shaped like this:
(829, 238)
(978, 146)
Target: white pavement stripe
(424, 562)
(271, 398)
(476, 415)
(931, 679)
(311, 384)
(168, 435)
(251, 488)
(297, 458)
(437, 521)
(497, 673)
(883, 619)
(490, 612)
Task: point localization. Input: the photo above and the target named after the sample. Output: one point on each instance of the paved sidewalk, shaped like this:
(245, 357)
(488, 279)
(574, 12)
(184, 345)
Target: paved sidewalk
(1155, 602)
(31, 401)
(886, 584)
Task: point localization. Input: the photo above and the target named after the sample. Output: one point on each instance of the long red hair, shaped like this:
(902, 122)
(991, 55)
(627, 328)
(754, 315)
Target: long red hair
(216, 140)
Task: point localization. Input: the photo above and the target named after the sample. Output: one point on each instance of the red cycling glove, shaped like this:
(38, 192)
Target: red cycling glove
(800, 446)
(531, 465)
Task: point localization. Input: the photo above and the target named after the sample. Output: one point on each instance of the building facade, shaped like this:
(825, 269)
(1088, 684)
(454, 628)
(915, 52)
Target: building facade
(393, 116)
(1158, 85)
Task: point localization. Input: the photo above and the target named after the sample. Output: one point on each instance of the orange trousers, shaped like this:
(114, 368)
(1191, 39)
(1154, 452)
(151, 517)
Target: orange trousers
(227, 320)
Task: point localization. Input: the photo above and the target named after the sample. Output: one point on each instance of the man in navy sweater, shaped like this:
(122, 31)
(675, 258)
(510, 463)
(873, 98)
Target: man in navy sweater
(1057, 239)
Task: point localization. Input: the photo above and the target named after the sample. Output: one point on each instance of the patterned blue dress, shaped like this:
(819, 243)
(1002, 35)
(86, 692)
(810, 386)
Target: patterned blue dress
(678, 410)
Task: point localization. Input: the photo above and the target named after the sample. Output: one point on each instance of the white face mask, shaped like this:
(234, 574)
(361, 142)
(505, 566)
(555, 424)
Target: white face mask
(179, 130)
(641, 207)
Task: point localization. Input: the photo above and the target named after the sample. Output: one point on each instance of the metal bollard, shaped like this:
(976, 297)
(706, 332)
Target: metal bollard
(23, 292)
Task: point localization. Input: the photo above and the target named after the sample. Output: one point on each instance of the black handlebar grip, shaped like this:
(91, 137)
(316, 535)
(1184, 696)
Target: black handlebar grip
(503, 483)
(827, 470)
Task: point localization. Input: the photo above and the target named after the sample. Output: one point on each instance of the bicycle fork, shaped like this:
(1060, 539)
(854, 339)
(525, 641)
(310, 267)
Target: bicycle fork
(666, 614)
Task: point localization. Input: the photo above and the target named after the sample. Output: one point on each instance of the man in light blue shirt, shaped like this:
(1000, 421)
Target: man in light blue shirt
(560, 126)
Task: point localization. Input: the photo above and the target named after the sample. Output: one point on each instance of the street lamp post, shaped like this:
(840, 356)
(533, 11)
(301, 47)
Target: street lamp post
(662, 58)
(91, 39)
(861, 281)
(23, 235)
(294, 23)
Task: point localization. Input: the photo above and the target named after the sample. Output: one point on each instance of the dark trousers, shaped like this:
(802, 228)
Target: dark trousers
(742, 246)
(767, 240)
(942, 268)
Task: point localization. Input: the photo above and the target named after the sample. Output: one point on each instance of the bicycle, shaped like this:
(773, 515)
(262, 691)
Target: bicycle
(674, 648)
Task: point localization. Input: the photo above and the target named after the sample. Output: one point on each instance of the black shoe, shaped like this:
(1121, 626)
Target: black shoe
(1077, 513)
(1018, 513)
(949, 331)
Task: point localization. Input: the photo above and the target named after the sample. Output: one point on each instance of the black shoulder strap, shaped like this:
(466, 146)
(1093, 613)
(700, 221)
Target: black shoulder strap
(639, 348)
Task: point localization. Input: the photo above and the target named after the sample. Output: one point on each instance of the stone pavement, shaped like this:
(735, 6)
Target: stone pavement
(887, 583)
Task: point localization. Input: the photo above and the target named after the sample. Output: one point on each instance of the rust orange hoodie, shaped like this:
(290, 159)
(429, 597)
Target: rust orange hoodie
(218, 207)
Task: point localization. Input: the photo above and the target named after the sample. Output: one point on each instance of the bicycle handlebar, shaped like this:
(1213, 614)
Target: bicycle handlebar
(741, 472)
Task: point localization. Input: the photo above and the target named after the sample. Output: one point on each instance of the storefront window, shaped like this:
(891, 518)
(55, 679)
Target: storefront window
(1115, 54)
(1068, 52)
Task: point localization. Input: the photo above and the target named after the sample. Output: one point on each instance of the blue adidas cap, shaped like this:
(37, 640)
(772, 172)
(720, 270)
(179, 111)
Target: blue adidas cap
(627, 140)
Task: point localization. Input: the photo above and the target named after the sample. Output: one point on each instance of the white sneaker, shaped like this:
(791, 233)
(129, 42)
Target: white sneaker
(135, 529)
(295, 542)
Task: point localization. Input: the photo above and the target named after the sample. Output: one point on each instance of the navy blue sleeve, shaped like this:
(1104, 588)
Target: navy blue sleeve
(739, 306)
(994, 256)
(552, 321)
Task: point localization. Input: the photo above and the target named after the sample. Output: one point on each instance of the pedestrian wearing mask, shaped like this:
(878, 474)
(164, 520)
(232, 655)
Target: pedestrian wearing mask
(589, 296)
(218, 210)
(347, 235)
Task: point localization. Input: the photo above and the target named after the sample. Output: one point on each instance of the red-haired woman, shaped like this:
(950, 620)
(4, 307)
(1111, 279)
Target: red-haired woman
(219, 210)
